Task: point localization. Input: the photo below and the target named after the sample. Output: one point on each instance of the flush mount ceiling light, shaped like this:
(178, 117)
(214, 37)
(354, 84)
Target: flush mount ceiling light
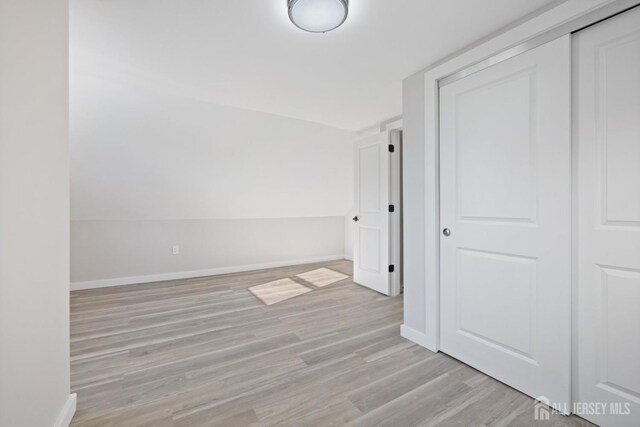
(318, 16)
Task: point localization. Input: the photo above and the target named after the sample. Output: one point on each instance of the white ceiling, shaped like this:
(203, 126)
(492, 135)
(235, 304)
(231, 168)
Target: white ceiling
(245, 53)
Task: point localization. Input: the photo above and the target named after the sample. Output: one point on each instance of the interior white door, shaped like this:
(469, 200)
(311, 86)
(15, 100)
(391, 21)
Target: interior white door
(607, 111)
(505, 194)
(371, 249)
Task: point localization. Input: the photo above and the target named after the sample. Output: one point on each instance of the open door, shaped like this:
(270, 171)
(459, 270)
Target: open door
(373, 250)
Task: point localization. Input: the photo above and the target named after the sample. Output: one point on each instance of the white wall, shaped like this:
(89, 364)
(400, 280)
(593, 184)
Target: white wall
(34, 214)
(413, 164)
(349, 233)
(139, 251)
(207, 174)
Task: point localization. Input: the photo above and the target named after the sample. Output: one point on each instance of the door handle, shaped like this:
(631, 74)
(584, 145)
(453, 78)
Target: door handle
(446, 232)
(356, 219)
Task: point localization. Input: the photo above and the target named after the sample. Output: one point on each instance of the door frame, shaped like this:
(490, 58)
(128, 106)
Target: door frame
(457, 68)
(395, 219)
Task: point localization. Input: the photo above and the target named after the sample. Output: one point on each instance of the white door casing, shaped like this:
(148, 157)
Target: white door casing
(607, 138)
(395, 217)
(371, 248)
(505, 194)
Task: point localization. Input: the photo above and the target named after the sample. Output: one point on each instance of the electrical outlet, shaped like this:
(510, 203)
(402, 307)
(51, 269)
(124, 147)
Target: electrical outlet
(175, 250)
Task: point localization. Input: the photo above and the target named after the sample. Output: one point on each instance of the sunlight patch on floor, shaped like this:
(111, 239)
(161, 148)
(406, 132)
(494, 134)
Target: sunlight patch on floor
(278, 291)
(322, 277)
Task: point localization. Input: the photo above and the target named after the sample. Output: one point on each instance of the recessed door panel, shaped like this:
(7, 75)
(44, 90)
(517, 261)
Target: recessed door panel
(485, 278)
(505, 194)
(369, 241)
(620, 364)
(370, 165)
(619, 103)
(496, 118)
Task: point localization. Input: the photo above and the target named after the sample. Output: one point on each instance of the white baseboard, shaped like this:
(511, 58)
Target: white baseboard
(419, 338)
(68, 410)
(120, 281)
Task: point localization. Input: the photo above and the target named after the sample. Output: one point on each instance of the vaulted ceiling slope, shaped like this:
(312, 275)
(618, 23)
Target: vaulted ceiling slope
(245, 53)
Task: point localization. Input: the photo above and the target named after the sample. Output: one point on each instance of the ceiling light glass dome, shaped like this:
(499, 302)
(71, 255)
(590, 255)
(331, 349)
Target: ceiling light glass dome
(318, 16)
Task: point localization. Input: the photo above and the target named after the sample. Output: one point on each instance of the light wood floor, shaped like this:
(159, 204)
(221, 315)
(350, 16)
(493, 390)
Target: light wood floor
(207, 352)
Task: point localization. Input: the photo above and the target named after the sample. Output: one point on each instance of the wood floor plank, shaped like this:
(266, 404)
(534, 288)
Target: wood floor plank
(206, 352)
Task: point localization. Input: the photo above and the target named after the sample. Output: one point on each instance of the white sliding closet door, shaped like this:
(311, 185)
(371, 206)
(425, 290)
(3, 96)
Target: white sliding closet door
(607, 110)
(505, 171)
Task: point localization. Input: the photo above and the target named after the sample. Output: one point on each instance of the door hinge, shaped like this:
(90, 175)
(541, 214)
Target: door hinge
(392, 148)
(392, 208)
(392, 268)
